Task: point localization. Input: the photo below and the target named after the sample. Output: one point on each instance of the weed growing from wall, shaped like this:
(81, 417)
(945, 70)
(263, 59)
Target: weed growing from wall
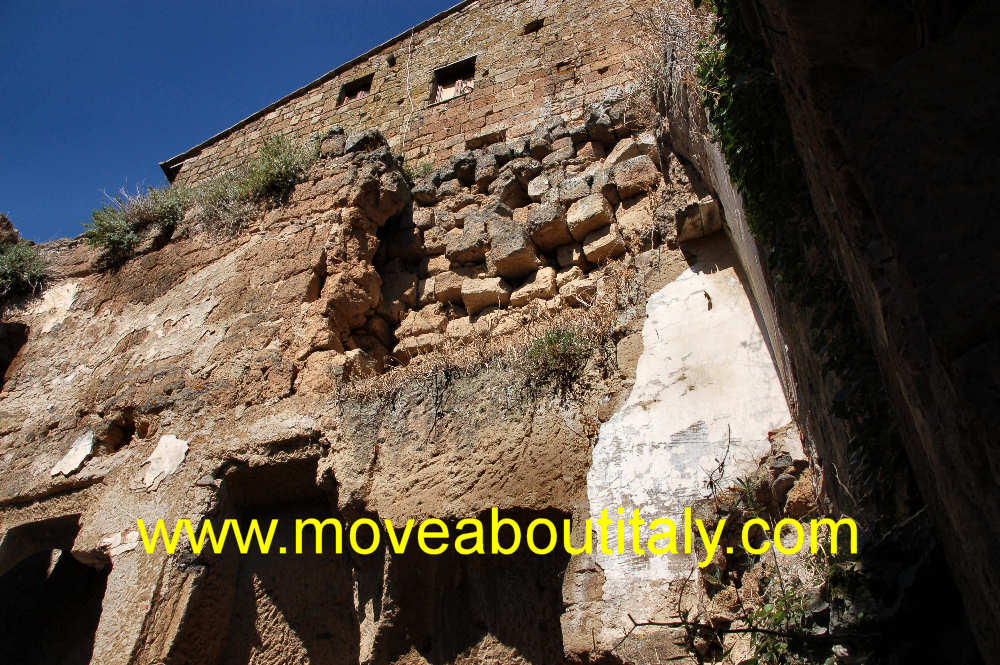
(22, 270)
(224, 204)
(555, 360)
(118, 226)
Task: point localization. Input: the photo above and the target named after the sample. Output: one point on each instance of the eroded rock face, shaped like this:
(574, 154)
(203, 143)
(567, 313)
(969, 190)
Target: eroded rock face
(219, 377)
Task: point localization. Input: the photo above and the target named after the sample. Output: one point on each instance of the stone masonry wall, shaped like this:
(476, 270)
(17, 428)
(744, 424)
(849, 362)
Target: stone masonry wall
(574, 58)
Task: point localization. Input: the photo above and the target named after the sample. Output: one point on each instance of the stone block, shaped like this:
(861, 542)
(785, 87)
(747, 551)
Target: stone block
(547, 226)
(590, 151)
(579, 292)
(431, 318)
(542, 286)
(591, 212)
(564, 277)
(573, 189)
(478, 294)
(635, 175)
(538, 186)
(603, 244)
(511, 254)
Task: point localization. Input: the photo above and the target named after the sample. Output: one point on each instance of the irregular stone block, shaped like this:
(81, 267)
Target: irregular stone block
(487, 169)
(564, 277)
(409, 347)
(437, 264)
(589, 213)
(542, 286)
(424, 191)
(698, 219)
(636, 223)
(579, 292)
(558, 157)
(436, 240)
(525, 168)
(429, 319)
(573, 189)
(511, 254)
(635, 175)
(470, 244)
(449, 188)
(624, 150)
(539, 146)
(603, 244)
(460, 329)
(464, 165)
(547, 226)
(448, 287)
(425, 291)
(477, 294)
(537, 187)
(423, 218)
(590, 151)
(507, 188)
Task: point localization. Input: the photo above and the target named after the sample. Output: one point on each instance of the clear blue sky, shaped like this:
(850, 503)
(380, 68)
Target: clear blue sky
(94, 94)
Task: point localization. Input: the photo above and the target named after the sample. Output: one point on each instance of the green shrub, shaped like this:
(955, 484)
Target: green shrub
(118, 225)
(556, 360)
(22, 270)
(273, 172)
(224, 206)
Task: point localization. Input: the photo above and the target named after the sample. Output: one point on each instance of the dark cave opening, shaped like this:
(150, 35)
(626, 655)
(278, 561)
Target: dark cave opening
(51, 602)
(13, 336)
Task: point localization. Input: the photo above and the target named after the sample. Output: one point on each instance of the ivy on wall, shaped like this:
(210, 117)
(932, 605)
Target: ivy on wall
(750, 123)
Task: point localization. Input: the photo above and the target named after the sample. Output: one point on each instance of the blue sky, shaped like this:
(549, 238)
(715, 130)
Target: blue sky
(95, 94)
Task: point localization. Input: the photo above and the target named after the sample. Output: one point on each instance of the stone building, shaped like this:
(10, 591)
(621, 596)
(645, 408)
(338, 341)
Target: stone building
(480, 72)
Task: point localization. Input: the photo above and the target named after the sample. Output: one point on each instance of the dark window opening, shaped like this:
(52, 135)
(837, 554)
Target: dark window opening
(533, 26)
(390, 60)
(454, 80)
(356, 89)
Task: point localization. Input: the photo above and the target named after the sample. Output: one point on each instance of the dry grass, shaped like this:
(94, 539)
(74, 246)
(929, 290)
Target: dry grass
(661, 53)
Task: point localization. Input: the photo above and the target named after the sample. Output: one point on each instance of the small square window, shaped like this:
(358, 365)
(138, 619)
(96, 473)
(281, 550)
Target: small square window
(454, 80)
(356, 89)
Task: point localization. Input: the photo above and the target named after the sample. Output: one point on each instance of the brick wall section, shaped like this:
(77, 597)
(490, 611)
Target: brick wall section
(576, 58)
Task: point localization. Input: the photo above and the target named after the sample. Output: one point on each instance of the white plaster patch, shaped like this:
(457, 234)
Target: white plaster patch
(704, 371)
(81, 449)
(167, 456)
(55, 304)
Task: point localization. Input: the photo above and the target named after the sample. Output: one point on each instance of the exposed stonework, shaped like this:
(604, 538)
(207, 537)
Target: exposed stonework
(221, 378)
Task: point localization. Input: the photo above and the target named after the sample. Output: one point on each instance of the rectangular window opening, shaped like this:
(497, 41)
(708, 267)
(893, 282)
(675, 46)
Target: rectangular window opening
(356, 89)
(454, 80)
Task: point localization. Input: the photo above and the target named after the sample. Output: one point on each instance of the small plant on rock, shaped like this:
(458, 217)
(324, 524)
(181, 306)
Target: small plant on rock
(273, 172)
(119, 224)
(22, 270)
(556, 360)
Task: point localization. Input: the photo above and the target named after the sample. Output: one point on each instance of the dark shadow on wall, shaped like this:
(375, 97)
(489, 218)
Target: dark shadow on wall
(275, 607)
(443, 606)
(295, 607)
(50, 603)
